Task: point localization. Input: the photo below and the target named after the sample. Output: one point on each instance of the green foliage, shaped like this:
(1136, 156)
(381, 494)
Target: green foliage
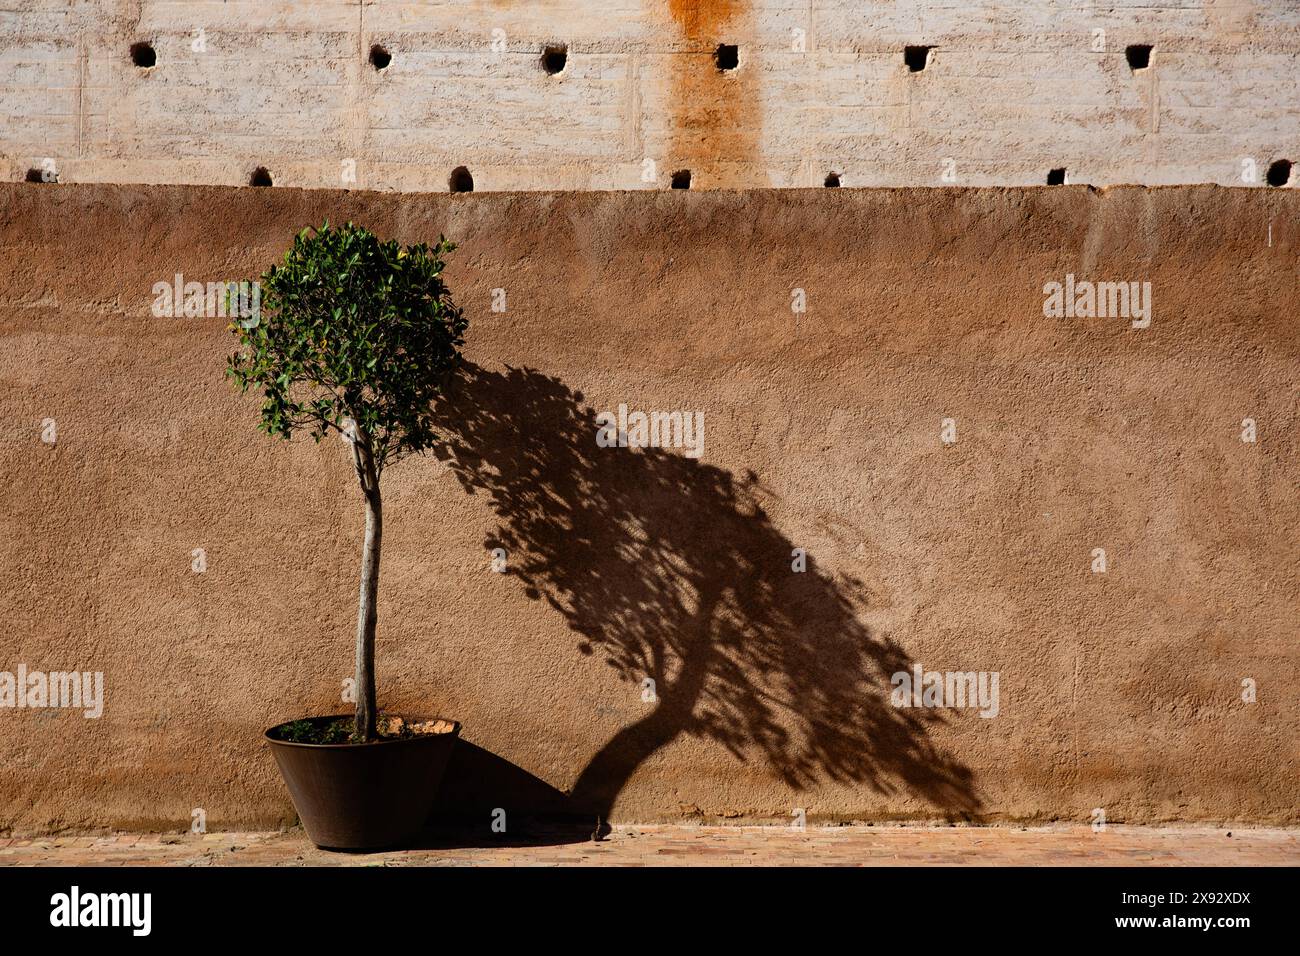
(352, 327)
(310, 732)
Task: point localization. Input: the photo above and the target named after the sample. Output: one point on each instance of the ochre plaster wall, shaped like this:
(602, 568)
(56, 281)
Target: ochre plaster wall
(824, 431)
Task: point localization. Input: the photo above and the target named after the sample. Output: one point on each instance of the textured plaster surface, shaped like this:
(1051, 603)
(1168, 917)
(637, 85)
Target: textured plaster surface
(1119, 691)
(1009, 91)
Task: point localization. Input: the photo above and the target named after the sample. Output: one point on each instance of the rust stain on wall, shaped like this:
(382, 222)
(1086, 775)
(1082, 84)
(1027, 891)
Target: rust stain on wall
(715, 116)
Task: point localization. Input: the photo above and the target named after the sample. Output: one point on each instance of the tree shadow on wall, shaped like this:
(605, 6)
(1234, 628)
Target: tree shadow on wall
(671, 569)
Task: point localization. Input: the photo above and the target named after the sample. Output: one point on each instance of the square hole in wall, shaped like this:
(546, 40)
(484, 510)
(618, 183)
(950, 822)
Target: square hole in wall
(143, 55)
(1138, 56)
(681, 179)
(727, 57)
(460, 180)
(916, 57)
(554, 58)
(1056, 177)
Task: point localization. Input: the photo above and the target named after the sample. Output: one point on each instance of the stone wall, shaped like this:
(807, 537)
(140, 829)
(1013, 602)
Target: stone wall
(1007, 92)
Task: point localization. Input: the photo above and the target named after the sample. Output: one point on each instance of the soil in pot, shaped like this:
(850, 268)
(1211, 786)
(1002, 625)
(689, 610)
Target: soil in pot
(340, 730)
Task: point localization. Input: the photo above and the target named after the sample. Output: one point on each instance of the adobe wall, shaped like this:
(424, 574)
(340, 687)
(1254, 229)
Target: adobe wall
(1008, 92)
(947, 458)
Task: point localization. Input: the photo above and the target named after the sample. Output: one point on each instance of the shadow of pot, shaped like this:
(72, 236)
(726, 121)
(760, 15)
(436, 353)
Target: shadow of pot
(363, 796)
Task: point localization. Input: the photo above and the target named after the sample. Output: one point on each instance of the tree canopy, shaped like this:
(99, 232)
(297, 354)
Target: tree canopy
(355, 334)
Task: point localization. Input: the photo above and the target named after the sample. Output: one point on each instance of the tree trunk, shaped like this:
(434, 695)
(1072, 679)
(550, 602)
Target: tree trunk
(367, 612)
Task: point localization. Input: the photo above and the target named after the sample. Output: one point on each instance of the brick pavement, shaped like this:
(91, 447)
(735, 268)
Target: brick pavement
(670, 845)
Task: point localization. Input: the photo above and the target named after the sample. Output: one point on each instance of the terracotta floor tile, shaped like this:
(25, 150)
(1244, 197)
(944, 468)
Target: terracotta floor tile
(660, 845)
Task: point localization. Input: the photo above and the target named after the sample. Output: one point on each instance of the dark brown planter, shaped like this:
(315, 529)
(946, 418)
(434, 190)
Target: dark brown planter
(363, 796)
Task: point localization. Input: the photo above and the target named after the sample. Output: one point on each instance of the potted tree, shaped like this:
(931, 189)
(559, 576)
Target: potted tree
(356, 336)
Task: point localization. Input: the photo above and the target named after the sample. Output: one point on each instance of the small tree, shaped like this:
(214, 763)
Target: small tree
(355, 335)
